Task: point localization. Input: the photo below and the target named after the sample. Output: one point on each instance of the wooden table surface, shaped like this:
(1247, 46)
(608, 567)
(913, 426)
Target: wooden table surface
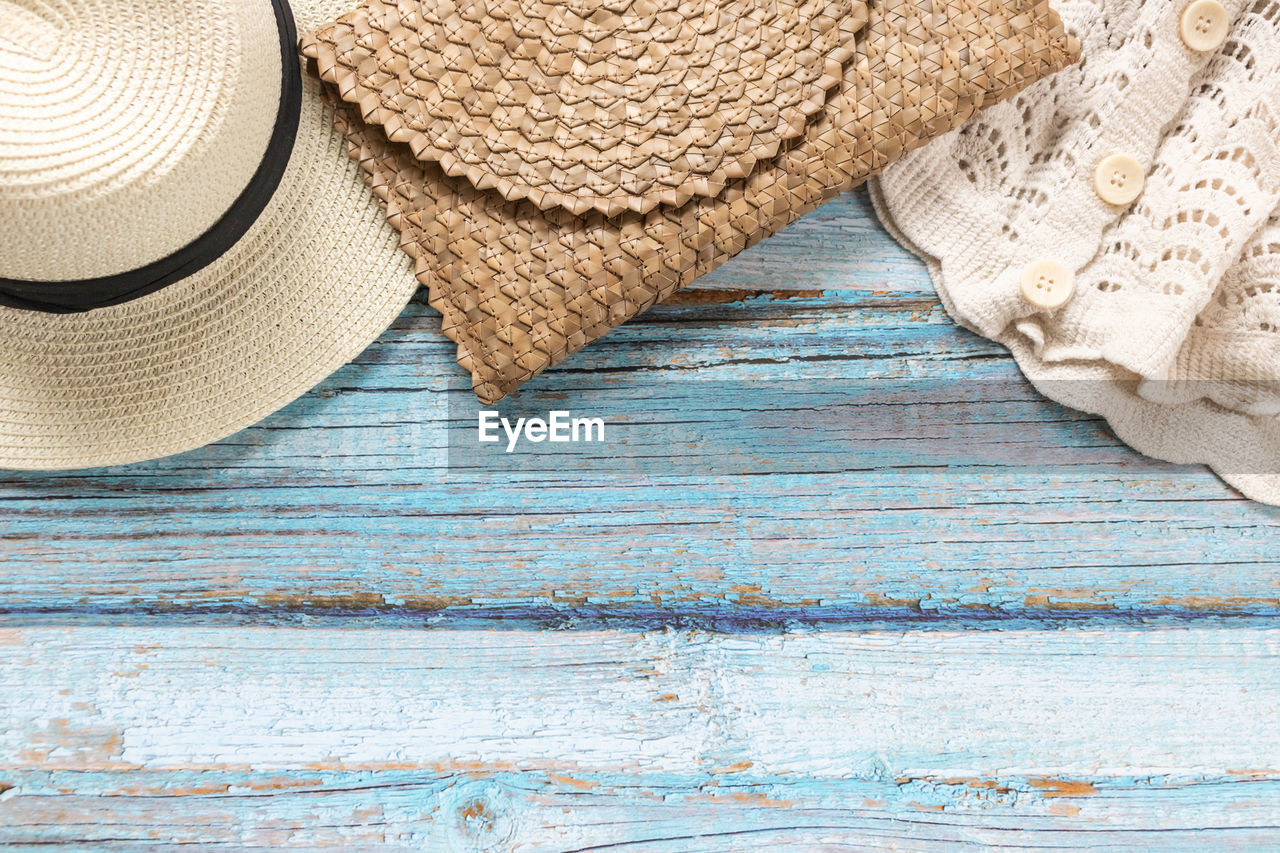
(964, 617)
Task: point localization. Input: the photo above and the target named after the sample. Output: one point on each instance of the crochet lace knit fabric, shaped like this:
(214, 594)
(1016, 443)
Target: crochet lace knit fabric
(1173, 330)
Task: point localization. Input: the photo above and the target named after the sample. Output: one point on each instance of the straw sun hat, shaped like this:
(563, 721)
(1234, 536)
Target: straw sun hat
(184, 245)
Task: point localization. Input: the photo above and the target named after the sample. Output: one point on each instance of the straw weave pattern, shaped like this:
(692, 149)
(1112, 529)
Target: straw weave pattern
(523, 282)
(617, 105)
(314, 280)
(107, 106)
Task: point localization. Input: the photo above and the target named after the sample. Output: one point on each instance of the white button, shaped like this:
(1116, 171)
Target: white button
(1203, 25)
(1118, 179)
(1047, 284)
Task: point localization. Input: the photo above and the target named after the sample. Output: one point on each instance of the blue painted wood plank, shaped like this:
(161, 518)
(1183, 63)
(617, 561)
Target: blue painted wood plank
(556, 809)
(565, 740)
(841, 245)
(712, 715)
(344, 502)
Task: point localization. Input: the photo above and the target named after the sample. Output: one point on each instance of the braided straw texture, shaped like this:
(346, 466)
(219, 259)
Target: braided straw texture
(553, 176)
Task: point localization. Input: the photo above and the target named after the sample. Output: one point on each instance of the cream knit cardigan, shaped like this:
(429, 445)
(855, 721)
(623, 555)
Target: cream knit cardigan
(1173, 329)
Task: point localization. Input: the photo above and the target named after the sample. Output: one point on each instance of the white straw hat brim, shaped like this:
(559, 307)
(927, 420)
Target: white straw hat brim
(313, 282)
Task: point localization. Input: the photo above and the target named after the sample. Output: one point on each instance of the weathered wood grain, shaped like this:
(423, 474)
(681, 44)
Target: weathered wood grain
(353, 477)
(512, 740)
(567, 810)
(841, 245)
(754, 658)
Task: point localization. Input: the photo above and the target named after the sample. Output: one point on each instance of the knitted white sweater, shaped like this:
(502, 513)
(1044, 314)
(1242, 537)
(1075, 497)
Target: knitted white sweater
(1173, 329)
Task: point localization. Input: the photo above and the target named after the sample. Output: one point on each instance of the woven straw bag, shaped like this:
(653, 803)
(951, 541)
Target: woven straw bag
(555, 168)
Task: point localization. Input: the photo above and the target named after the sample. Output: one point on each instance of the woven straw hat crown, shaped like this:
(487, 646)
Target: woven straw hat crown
(184, 245)
(128, 128)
